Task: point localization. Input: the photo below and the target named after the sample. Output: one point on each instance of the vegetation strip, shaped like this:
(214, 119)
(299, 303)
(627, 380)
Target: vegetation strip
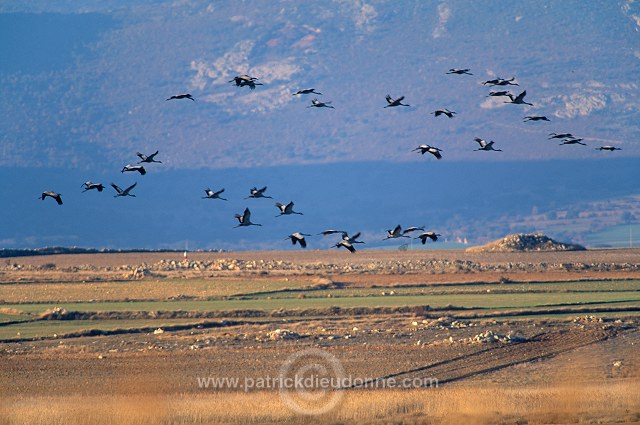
(146, 329)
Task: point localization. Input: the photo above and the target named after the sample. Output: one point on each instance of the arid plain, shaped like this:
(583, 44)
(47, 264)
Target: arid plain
(437, 337)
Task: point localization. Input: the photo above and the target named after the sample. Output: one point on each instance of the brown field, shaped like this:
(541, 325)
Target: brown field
(539, 360)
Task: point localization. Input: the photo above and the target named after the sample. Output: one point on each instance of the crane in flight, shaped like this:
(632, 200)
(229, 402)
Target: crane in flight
(459, 71)
(391, 102)
(428, 235)
(53, 195)
(351, 239)
(331, 232)
(444, 111)
(485, 146)
(560, 136)
(181, 96)
(315, 103)
(245, 80)
(535, 118)
(345, 244)
(430, 149)
(411, 229)
(138, 168)
(90, 185)
(254, 192)
(286, 209)
(214, 194)
(573, 141)
(499, 93)
(519, 99)
(500, 82)
(298, 237)
(124, 192)
(306, 91)
(244, 219)
(147, 158)
(395, 233)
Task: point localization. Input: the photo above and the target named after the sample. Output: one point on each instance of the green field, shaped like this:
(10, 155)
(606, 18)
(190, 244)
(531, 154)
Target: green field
(486, 300)
(223, 298)
(53, 328)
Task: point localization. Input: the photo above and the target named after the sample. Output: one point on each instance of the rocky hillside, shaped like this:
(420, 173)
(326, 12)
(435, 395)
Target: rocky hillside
(525, 243)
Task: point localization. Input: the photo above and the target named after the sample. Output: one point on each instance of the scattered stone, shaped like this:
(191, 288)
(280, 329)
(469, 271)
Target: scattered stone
(282, 334)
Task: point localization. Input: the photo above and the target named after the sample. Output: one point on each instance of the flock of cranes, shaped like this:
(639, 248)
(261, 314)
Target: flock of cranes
(346, 241)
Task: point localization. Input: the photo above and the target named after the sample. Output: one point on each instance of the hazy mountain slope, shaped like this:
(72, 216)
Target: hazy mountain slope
(89, 89)
(479, 201)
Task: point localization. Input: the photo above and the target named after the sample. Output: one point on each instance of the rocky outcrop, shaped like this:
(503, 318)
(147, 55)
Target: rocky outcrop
(525, 243)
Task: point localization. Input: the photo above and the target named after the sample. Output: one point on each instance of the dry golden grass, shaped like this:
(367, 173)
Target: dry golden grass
(480, 405)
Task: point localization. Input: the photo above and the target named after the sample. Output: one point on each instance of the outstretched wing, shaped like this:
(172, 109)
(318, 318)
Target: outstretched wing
(130, 187)
(480, 141)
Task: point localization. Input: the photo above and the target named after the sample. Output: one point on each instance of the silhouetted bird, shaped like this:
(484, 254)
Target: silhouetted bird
(428, 235)
(500, 93)
(535, 118)
(121, 192)
(315, 103)
(608, 148)
(299, 238)
(245, 80)
(258, 193)
(244, 219)
(445, 111)
(351, 239)
(391, 102)
(431, 149)
(54, 195)
(345, 244)
(331, 232)
(138, 168)
(306, 91)
(519, 99)
(459, 71)
(500, 82)
(484, 146)
(213, 195)
(573, 141)
(286, 209)
(89, 186)
(560, 136)
(395, 233)
(411, 229)
(182, 96)
(147, 158)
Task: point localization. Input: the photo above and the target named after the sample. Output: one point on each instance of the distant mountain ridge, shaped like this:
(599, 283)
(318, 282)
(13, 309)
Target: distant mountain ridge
(91, 99)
